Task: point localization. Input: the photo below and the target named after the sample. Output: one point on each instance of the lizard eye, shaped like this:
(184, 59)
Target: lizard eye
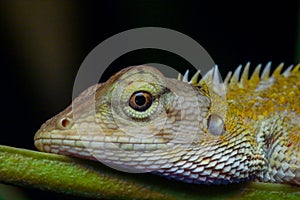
(140, 101)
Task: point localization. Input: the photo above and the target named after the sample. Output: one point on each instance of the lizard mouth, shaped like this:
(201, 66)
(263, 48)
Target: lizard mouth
(101, 144)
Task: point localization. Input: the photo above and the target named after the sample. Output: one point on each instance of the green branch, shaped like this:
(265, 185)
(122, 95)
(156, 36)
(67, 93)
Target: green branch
(91, 179)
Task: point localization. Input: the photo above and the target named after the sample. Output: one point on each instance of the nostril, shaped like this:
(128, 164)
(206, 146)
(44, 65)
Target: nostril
(65, 122)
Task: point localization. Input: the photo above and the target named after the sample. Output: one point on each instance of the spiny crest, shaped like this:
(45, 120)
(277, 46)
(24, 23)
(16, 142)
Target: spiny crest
(238, 78)
(194, 79)
(212, 79)
(241, 78)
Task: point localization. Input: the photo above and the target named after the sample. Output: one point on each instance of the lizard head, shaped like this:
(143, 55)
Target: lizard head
(141, 121)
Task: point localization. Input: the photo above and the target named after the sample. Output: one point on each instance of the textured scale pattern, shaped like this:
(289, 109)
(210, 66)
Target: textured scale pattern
(198, 131)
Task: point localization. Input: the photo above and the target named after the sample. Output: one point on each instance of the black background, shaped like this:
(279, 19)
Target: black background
(232, 34)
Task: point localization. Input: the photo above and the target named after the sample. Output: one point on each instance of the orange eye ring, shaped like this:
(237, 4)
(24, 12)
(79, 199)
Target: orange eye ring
(140, 101)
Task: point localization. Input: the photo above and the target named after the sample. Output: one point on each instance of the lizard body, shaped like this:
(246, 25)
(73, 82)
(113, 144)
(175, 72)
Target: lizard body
(195, 131)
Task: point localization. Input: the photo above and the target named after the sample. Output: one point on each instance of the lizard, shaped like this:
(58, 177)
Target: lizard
(201, 131)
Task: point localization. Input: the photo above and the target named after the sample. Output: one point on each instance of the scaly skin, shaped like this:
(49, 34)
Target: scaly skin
(193, 131)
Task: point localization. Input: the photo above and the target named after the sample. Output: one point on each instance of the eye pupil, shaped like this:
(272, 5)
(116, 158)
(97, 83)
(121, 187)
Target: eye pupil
(140, 101)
